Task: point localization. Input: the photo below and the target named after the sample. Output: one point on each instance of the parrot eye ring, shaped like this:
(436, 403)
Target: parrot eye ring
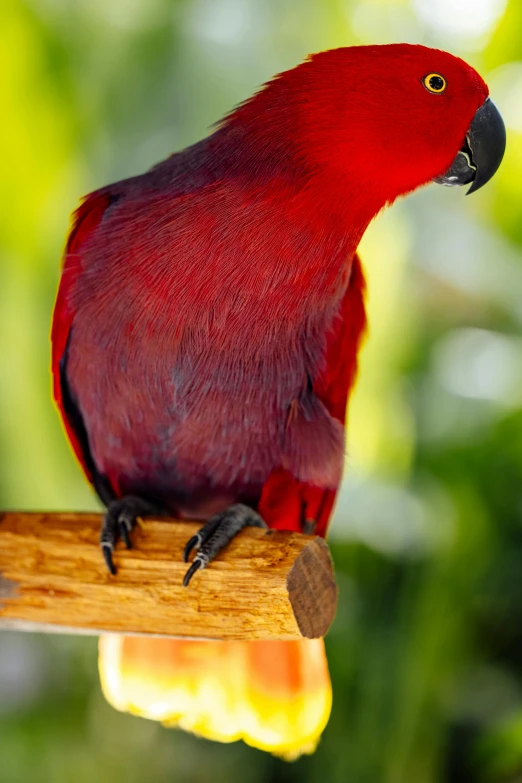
(434, 83)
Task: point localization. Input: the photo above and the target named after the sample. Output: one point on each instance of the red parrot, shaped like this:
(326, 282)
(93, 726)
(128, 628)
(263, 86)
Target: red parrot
(210, 311)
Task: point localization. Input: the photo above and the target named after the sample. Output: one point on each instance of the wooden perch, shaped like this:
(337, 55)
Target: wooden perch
(265, 585)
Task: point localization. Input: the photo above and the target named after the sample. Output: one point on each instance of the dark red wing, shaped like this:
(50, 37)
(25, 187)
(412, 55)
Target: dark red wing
(334, 385)
(86, 218)
(284, 501)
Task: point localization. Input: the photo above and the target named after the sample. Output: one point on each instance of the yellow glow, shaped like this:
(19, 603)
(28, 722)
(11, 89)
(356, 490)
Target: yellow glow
(275, 696)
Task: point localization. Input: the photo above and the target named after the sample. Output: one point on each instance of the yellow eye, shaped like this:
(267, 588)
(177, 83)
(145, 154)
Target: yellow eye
(434, 82)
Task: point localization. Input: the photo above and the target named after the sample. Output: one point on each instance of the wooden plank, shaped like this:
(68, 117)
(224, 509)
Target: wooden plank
(265, 584)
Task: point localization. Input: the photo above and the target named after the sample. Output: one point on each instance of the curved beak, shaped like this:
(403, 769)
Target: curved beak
(482, 151)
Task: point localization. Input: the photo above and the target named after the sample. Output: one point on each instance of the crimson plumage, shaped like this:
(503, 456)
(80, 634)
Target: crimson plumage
(210, 311)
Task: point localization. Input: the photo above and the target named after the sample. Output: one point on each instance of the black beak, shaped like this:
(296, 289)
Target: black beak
(482, 151)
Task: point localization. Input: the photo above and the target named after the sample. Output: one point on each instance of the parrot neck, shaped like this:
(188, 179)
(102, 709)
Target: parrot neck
(285, 249)
(310, 191)
(281, 143)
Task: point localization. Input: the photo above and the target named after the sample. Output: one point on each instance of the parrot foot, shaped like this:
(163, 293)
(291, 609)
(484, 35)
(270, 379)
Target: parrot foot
(216, 534)
(119, 522)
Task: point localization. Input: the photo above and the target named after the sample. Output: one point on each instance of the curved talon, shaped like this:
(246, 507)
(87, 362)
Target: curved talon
(124, 532)
(196, 565)
(107, 556)
(215, 534)
(189, 546)
(119, 522)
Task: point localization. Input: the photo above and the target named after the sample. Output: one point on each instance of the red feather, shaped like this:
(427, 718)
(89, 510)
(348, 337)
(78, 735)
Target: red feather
(285, 502)
(86, 219)
(218, 304)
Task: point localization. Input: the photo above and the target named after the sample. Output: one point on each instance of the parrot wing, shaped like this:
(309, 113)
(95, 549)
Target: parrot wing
(285, 502)
(334, 384)
(86, 219)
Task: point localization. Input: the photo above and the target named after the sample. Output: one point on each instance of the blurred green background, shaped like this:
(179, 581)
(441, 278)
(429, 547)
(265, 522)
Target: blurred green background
(426, 651)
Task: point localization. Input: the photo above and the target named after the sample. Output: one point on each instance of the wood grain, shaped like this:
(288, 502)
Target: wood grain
(265, 585)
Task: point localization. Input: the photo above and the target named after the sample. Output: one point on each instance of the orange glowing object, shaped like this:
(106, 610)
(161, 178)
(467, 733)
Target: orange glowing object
(274, 695)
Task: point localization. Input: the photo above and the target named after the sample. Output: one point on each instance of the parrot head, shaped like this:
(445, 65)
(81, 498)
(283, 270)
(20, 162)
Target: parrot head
(385, 120)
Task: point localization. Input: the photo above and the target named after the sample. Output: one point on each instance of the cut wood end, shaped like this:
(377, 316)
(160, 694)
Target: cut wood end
(312, 590)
